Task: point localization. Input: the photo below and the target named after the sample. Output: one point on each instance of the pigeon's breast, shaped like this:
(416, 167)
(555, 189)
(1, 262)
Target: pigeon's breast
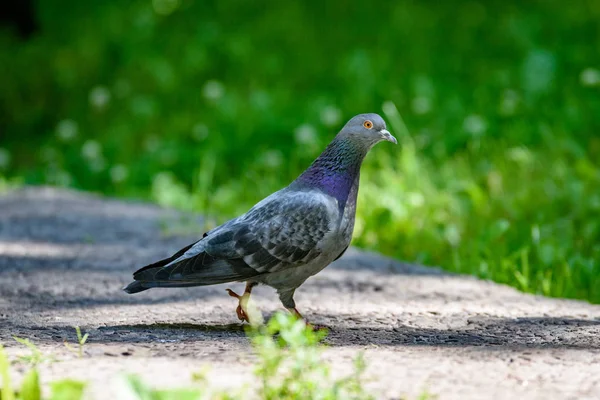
(340, 234)
(348, 214)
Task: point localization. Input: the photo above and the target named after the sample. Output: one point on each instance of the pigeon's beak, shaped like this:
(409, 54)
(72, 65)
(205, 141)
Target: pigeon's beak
(386, 135)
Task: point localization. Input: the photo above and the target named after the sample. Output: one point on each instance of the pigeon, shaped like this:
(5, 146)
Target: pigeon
(285, 238)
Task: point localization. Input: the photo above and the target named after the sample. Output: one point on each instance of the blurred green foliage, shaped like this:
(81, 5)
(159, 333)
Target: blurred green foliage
(213, 105)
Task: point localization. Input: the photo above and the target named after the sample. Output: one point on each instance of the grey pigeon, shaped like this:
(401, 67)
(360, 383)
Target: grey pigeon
(285, 238)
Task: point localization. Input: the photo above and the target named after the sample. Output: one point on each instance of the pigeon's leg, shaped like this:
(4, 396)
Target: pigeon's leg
(287, 299)
(243, 301)
(294, 311)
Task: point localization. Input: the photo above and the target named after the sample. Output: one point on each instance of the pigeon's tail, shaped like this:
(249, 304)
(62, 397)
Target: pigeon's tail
(145, 279)
(135, 287)
(140, 286)
(198, 269)
(147, 273)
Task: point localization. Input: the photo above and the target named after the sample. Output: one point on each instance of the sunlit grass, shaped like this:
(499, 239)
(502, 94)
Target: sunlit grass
(521, 216)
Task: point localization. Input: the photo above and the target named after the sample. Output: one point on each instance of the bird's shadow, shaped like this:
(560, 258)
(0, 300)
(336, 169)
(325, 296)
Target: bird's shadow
(169, 332)
(488, 333)
(164, 327)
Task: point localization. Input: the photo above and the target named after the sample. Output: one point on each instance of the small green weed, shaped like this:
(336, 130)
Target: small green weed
(81, 339)
(291, 367)
(7, 390)
(64, 389)
(36, 356)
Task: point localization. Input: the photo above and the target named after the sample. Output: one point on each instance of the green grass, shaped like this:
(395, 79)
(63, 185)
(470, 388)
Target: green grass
(513, 214)
(210, 106)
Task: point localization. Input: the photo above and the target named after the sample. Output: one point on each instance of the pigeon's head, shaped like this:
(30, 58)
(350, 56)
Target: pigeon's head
(367, 129)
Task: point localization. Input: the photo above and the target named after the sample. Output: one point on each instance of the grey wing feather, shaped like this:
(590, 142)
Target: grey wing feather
(280, 232)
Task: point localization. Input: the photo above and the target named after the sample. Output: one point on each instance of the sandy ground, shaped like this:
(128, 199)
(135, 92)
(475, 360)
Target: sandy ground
(64, 257)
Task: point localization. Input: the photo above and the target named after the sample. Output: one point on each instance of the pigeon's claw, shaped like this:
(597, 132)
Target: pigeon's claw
(241, 312)
(294, 311)
(242, 316)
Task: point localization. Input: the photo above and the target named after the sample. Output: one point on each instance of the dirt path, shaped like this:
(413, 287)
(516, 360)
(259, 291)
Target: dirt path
(64, 257)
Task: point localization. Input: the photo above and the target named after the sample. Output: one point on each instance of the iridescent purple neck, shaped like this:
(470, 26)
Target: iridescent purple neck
(335, 171)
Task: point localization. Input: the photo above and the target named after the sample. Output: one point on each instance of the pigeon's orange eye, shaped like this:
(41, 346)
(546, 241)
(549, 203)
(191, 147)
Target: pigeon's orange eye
(368, 124)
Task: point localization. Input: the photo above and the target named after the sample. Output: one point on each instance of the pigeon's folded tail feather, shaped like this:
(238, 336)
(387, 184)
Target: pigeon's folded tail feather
(140, 286)
(165, 261)
(198, 270)
(135, 287)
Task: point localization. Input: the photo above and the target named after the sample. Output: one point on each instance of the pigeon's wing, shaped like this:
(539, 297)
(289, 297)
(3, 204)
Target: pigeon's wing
(286, 231)
(282, 231)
